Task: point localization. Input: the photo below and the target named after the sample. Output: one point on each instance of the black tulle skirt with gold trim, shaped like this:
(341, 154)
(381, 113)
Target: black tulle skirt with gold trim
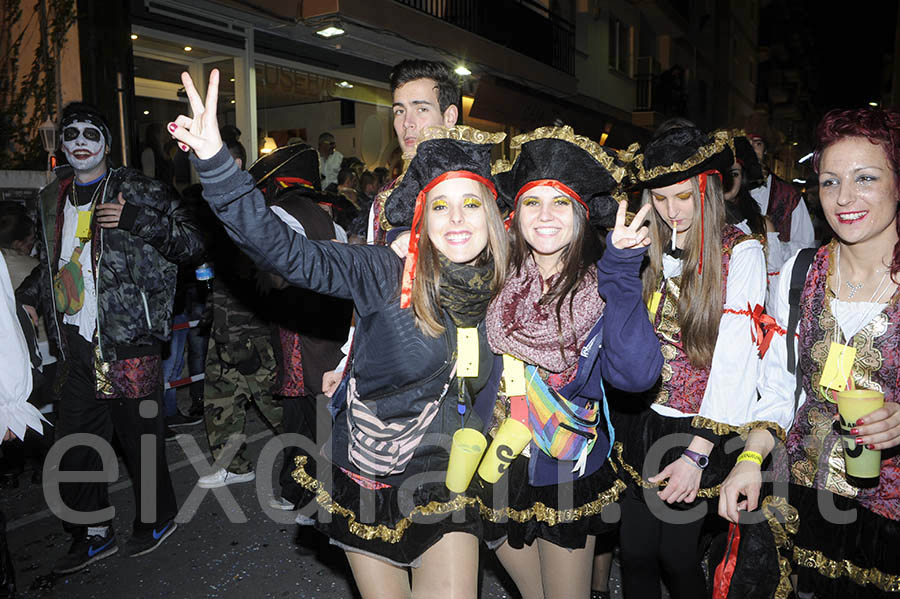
(564, 515)
(394, 523)
(839, 560)
(650, 439)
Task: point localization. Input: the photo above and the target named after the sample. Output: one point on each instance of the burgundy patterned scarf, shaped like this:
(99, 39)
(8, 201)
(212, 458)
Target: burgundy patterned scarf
(518, 324)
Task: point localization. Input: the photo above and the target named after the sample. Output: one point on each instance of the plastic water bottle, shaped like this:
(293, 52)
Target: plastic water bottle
(205, 274)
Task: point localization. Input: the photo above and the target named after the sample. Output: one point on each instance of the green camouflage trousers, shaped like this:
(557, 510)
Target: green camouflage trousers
(237, 373)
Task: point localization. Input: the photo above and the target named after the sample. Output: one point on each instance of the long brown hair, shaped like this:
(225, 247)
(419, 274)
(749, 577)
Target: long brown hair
(576, 259)
(700, 300)
(426, 287)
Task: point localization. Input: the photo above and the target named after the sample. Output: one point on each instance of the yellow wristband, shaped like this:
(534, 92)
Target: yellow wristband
(750, 456)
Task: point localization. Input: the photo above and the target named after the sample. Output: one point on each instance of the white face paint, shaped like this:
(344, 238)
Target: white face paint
(83, 145)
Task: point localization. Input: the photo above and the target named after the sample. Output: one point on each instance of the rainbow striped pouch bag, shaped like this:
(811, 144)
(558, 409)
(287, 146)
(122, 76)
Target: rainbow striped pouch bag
(560, 428)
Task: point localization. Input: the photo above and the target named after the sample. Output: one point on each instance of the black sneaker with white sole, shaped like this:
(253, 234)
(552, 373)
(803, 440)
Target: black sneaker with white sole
(85, 551)
(179, 419)
(143, 542)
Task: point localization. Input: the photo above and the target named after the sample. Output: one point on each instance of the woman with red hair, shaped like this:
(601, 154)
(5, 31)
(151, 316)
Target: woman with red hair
(839, 534)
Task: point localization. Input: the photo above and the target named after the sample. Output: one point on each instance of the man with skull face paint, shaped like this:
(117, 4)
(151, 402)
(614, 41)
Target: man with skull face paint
(110, 242)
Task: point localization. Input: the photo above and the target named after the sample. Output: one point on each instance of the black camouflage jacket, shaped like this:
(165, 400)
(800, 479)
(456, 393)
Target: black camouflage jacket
(134, 264)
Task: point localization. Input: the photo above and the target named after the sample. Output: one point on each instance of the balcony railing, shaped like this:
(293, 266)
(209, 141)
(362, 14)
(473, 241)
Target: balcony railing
(646, 72)
(521, 25)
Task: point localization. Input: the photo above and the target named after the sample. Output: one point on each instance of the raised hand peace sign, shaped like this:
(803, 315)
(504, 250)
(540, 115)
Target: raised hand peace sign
(200, 132)
(632, 236)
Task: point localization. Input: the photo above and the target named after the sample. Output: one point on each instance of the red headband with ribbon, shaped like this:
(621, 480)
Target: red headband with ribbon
(412, 257)
(701, 180)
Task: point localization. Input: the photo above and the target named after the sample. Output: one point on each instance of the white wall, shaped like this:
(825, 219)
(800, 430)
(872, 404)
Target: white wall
(371, 138)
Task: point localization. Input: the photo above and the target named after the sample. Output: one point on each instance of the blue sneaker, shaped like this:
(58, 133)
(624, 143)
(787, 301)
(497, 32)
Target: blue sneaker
(85, 551)
(145, 541)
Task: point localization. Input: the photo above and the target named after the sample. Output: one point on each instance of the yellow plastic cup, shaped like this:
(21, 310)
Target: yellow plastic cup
(863, 464)
(508, 443)
(465, 453)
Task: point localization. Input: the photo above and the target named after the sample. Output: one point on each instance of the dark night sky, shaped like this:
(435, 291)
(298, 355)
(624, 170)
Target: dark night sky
(850, 41)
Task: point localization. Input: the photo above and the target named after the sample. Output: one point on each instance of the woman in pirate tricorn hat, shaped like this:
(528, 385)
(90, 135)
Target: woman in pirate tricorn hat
(406, 393)
(704, 284)
(571, 320)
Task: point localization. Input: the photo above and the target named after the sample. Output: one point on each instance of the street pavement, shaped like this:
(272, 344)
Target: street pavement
(211, 555)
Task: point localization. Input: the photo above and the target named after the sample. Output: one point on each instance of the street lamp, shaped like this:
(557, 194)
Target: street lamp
(49, 138)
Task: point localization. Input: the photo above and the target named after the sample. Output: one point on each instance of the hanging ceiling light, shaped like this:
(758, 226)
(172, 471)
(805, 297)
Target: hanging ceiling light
(330, 31)
(269, 146)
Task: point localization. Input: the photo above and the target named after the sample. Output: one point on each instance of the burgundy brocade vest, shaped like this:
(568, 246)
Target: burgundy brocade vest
(684, 384)
(814, 448)
(783, 199)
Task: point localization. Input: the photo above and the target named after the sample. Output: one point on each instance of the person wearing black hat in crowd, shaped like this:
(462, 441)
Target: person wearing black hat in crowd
(702, 285)
(308, 328)
(571, 320)
(111, 240)
(403, 364)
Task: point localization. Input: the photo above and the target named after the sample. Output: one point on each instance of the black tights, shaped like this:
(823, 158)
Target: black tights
(650, 547)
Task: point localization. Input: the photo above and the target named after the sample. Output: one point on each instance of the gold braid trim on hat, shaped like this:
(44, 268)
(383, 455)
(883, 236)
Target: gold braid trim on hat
(627, 155)
(721, 139)
(565, 133)
(720, 428)
(830, 568)
(784, 521)
(705, 493)
(461, 133)
(501, 166)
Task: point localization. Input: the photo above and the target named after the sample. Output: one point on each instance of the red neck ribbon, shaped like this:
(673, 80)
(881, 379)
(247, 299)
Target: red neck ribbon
(412, 257)
(702, 183)
(557, 185)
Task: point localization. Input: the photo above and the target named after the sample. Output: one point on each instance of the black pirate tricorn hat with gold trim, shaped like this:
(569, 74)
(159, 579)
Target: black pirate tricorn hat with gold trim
(441, 154)
(678, 154)
(440, 151)
(575, 165)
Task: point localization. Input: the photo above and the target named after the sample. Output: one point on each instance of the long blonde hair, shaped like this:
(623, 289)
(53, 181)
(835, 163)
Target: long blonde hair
(700, 299)
(426, 287)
